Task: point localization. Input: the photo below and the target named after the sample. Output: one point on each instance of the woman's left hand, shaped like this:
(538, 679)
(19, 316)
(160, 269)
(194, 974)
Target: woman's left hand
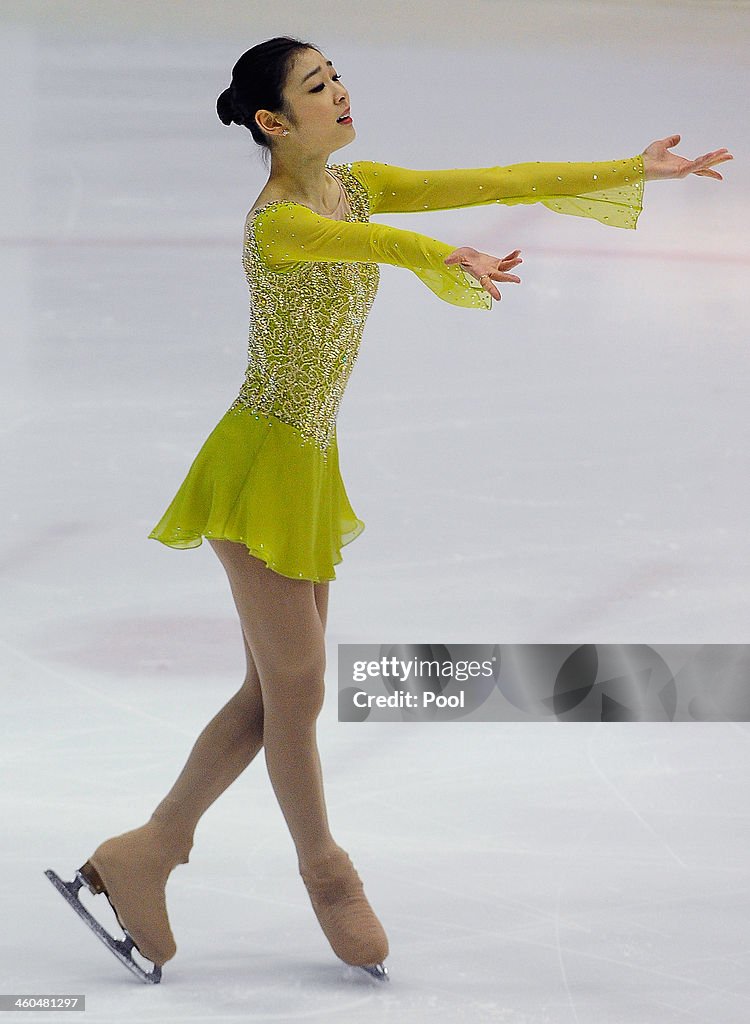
(659, 164)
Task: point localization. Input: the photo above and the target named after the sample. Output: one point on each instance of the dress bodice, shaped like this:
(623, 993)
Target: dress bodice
(306, 325)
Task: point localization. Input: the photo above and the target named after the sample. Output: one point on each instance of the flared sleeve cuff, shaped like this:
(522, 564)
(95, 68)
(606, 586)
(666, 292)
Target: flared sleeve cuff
(456, 285)
(617, 206)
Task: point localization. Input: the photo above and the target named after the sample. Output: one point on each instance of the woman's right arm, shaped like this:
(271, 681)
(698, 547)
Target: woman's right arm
(288, 233)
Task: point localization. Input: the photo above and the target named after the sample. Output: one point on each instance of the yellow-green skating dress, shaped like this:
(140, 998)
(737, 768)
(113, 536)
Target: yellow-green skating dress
(268, 474)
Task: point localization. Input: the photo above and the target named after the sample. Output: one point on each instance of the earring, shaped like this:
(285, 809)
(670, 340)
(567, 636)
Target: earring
(285, 132)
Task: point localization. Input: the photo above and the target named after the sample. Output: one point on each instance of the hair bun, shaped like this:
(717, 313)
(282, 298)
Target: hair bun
(226, 109)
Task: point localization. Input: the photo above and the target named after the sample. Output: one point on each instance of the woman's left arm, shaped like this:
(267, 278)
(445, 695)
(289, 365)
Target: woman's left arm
(610, 191)
(660, 165)
(403, 190)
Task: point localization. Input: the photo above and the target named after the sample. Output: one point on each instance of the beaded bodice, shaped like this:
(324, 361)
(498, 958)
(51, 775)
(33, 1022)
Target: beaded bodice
(306, 325)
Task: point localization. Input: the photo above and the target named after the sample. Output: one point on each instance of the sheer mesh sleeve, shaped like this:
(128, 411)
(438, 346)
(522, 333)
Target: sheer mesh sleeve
(609, 191)
(288, 233)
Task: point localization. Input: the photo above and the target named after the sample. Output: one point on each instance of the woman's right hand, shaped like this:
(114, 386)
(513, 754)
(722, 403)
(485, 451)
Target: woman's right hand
(480, 264)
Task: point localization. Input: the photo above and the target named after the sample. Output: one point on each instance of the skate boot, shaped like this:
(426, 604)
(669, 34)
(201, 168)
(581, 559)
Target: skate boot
(132, 870)
(345, 915)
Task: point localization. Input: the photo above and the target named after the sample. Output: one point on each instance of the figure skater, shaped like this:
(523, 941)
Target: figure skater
(265, 488)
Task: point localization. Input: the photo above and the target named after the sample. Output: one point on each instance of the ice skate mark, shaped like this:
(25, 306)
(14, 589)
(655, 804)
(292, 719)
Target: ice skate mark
(560, 958)
(100, 694)
(643, 581)
(633, 810)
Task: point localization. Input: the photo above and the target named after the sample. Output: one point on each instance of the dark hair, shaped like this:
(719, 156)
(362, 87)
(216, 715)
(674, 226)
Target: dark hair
(258, 80)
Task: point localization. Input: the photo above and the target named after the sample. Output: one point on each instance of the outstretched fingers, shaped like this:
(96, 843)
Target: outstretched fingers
(502, 274)
(702, 164)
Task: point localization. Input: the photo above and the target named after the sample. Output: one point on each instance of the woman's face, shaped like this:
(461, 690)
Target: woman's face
(317, 98)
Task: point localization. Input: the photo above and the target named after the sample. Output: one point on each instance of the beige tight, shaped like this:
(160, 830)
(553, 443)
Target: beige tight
(283, 625)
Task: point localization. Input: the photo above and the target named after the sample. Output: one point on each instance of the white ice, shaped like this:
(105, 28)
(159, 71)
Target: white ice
(571, 467)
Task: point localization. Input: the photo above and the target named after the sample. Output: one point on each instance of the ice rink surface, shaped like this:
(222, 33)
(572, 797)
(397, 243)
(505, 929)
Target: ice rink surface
(570, 467)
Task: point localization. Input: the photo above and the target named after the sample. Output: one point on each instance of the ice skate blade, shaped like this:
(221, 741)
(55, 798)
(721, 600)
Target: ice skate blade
(120, 947)
(377, 971)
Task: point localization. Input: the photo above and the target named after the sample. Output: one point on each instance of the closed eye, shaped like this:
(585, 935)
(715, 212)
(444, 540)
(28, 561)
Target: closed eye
(319, 87)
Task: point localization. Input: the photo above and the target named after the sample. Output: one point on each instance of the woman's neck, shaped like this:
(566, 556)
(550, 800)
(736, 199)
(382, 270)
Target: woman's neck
(307, 179)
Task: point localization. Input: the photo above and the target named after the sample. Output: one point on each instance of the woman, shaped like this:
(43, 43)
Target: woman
(265, 488)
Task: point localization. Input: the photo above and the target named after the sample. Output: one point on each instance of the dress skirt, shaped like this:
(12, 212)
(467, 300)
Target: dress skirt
(260, 482)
